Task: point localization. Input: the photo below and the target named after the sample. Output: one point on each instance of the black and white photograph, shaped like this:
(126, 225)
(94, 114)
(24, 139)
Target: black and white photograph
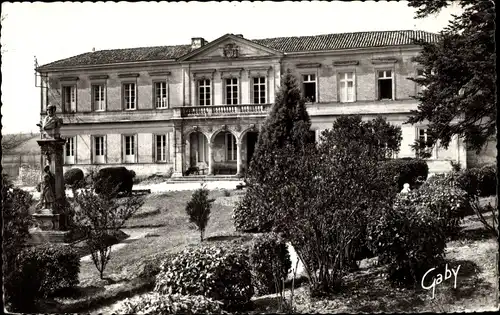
(265, 157)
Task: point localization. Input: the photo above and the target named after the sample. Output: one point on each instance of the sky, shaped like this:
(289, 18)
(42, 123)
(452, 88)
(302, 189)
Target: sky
(54, 31)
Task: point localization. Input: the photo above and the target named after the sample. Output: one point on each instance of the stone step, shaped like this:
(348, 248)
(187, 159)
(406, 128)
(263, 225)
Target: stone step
(201, 178)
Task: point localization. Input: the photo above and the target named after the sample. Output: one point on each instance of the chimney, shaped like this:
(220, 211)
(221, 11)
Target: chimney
(197, 42)
(238, 35)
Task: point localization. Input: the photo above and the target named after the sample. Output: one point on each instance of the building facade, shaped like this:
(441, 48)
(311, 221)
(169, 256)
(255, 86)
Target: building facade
(166, 109)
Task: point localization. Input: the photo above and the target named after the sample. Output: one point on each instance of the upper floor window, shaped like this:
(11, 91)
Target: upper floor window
(309, 84)
(129, 96)
(69, 98)
(384, 84)
(69, 151)
(161, 148)
(98, 97)
(259, 90)
(232, 91)
(346, 87)
(230, 147)
(99, 149)
(204, 92)
(160, 94)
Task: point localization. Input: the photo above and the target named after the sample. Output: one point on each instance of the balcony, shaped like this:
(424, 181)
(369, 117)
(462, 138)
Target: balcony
(225, 110)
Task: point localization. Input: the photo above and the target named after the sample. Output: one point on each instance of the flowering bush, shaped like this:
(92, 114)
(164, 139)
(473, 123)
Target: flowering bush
(216, 272)
(409, 237)
(270, 263)
(156, 303)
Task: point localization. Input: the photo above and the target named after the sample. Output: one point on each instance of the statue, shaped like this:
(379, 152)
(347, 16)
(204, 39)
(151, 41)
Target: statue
(47, 197)
(406, 188)
(49, 127)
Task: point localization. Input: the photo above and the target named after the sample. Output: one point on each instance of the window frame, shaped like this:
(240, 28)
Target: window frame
(316, 87)
(433, 150)
(124, 103)
(69, 140)
(393, 83)
(205, 86)
(204, 139)
(419, 88)
(93, 96)
(155, 96)
(73, 93)
(124, 148)
(94, 149)
(166, 151)
(232, 84)
(341, 79)
(234, 147)
(260, 85)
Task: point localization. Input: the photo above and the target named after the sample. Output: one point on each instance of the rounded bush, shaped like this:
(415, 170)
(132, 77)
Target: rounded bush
(270, 262)
(110, 178)
(216, 272)
(406, 170)
(409, 237)
(73, 176)
(156, 303)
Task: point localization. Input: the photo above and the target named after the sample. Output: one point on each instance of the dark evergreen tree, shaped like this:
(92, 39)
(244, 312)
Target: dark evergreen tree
(198, 209)
(459, 74)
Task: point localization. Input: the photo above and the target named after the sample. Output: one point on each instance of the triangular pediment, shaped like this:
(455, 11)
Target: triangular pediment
(230, 47)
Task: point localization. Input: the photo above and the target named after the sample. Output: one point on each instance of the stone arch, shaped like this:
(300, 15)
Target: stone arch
(216, 132)
(188, 132)
(250, 128)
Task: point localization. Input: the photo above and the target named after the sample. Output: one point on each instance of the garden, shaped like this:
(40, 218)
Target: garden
(362, 243)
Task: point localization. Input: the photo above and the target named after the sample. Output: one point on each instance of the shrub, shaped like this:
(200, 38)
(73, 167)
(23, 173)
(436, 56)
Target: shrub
(44, 269)
(156, 303)
(216, 272)
(487, 180)
(409, 237)
(198, 209)
(117, 179)
(73, 176)
(406, 170)
(270, 263)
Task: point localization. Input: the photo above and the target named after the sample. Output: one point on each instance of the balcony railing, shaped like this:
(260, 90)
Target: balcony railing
(224, 110)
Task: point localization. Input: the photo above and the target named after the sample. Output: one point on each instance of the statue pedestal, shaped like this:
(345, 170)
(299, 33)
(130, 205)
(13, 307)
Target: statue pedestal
(41, 237)
(47, 220)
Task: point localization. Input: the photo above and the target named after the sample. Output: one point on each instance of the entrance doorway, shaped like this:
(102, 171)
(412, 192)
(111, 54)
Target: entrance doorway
(252, 137)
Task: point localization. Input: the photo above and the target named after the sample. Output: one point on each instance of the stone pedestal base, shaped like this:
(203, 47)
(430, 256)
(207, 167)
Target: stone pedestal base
(177, 174)
(42, 237)
(47, 220)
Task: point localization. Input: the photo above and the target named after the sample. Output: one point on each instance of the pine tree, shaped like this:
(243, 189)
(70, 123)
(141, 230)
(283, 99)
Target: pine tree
(284, 136)
(459, 76)
(198, 209)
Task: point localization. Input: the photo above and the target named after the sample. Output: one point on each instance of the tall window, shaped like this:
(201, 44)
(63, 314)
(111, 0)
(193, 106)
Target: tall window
(385, 85)
(230, 147)
(69, 98)
(161, 94)
(129, 97)
(99, 149)
(129, 149)
(202, 148)
(98, 97)
(204, 92)
(232, 91)
(420, 75)
(259, 90)
(69, 151)
(161, 148)
(423, 136)
(309, 83)
(346, 86)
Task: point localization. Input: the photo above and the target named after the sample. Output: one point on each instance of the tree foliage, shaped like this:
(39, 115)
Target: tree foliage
(198, 209)
(100, 217)
(380, 138)
(459, 76)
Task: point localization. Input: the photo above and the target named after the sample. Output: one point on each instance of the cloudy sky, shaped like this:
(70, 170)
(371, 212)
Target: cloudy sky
(53, 31)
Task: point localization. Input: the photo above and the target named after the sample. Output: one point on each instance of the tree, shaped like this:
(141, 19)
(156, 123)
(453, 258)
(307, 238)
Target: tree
(380, 138)
(100, 217)
(12, 141)
(459, 75)
(288, 124)
(198, 209)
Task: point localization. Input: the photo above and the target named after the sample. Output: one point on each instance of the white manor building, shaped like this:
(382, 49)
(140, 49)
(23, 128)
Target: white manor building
(155, 108)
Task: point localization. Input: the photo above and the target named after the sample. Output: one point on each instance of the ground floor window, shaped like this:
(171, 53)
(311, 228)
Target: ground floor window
(230, 147)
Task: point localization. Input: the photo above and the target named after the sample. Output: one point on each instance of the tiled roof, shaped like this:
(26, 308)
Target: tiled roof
(283, 44)
(345, 40)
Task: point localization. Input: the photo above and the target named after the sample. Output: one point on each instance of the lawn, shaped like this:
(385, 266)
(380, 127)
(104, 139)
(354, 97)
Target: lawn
(163, 221)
